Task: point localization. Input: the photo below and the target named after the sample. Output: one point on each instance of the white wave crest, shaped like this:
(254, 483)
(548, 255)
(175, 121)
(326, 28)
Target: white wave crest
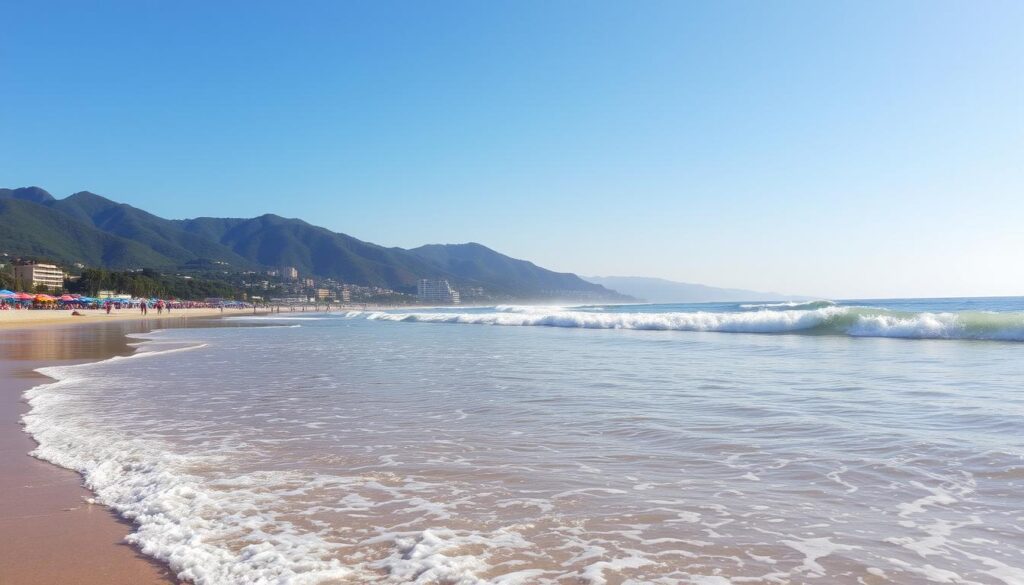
(527, 308)
(790, 305)
(750, 322)
(966, 325)
(831, 319)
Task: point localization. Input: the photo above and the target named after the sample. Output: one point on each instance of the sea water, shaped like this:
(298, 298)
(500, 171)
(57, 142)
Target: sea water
(868, 443)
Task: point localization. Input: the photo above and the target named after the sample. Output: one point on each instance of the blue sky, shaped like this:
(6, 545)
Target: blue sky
(842, 149)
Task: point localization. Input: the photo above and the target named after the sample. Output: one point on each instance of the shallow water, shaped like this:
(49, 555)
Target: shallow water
(355, 449)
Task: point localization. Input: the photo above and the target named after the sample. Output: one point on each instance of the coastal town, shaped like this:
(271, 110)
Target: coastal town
(28, 284)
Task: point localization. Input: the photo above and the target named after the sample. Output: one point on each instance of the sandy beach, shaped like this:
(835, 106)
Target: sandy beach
(23, 319)
(50, 533)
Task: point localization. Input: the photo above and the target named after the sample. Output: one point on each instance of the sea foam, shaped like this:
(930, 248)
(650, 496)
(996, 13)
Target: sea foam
(178, 521)
(360, 451)
(823, 320)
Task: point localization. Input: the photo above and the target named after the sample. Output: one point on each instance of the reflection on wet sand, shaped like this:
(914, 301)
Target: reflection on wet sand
(50, 534)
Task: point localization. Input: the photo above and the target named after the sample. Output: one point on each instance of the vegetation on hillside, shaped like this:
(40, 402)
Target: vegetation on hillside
(94, 231)
(7, 277)
(150, 283)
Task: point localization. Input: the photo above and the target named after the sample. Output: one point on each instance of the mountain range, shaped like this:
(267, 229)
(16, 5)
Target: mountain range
(659, 290)
(93, 230)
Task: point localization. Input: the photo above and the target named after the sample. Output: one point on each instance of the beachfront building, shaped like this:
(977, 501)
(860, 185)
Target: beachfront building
(292, 300)
(33, 275)
(289, 273)
(436, 291)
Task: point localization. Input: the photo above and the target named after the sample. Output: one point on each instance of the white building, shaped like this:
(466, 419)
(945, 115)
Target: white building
(33, 275)
(436, 291)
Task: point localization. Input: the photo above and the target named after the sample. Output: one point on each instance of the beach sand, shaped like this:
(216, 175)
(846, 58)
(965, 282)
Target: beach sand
(22, 319)
(48, 532)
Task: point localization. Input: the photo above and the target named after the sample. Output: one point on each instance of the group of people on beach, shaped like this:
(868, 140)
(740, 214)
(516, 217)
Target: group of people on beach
(144, 307)
(108, 306)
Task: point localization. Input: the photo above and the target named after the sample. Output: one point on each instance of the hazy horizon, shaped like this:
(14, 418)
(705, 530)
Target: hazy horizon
(837, 151)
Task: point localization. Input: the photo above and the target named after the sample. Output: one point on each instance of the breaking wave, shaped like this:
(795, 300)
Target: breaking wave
(824, 320)
(789, 305)
(527, 308)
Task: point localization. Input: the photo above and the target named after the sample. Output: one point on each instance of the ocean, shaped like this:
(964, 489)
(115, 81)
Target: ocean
(862, 442)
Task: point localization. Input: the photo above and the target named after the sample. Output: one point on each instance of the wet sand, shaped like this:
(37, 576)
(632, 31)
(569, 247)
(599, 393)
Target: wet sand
(48, 532)
(21, 319)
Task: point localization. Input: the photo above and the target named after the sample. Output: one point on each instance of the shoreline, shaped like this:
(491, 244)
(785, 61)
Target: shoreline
(14, 320)
(51, 533)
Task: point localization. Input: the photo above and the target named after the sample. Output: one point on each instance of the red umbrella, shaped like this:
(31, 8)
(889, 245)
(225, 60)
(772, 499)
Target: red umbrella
(23, 297)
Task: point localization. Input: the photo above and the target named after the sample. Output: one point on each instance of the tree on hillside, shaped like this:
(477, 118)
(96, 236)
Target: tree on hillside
(150, 283)
(6, 278)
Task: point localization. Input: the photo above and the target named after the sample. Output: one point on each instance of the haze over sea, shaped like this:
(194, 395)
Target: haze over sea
(858, 442)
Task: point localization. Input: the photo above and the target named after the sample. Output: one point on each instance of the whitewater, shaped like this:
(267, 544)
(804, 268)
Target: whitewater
(812, 317)
(784, 443)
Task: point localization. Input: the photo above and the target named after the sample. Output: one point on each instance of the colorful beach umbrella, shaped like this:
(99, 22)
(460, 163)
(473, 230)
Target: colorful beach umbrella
(68, 298)
(23, 296)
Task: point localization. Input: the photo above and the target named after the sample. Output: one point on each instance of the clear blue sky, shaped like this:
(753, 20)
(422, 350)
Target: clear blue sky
(840, 149)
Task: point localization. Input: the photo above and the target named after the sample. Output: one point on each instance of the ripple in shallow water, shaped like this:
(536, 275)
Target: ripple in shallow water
(359, 451)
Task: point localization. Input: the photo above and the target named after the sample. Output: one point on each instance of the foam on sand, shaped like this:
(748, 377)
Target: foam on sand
(178, 521)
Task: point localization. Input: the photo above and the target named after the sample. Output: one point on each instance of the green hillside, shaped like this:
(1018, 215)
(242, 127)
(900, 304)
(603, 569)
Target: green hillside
(478, 263)
(271, 240)
(163, 236)
(98, 232)
(30, 229)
